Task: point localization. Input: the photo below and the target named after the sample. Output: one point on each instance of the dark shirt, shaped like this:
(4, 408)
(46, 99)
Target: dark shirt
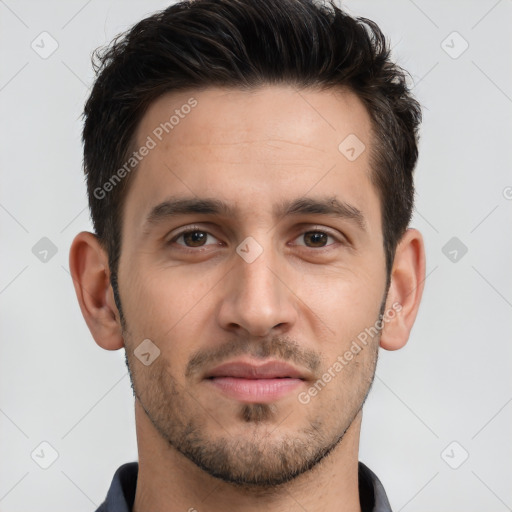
(121, 495)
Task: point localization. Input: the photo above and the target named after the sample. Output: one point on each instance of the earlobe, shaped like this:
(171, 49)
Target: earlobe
(88, 264)
(405, 291)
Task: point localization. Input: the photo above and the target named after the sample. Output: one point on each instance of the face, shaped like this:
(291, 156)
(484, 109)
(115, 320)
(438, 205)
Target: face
(252, 258)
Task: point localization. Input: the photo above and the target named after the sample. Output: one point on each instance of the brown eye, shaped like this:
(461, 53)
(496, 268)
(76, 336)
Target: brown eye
(316, 238)
(193, 238)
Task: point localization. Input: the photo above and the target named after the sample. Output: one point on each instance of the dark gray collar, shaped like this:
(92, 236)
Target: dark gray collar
(121, 494)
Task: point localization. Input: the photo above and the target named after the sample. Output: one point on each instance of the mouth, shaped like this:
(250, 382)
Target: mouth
(249, 382)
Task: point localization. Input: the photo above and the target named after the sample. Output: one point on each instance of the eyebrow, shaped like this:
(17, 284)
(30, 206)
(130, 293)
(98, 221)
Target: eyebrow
(328, 206)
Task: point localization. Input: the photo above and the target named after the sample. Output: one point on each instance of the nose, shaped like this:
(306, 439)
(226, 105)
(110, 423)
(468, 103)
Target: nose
(257, 298)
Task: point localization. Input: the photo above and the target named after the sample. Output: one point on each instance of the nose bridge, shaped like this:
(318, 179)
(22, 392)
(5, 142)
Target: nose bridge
(256, 299)
(257, 278)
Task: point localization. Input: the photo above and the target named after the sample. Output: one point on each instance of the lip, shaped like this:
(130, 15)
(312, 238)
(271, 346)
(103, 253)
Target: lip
(255, 383)
(247, 370)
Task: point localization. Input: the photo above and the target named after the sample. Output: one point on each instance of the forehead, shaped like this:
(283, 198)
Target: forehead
(314, 118)
(253, 148)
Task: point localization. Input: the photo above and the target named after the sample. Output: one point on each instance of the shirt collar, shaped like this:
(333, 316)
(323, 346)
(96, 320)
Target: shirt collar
(121, 495)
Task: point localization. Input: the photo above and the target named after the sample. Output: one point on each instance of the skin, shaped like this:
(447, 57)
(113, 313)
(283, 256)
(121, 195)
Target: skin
(302, 300)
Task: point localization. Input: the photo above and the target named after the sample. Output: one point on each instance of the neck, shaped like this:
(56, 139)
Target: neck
(168, 481)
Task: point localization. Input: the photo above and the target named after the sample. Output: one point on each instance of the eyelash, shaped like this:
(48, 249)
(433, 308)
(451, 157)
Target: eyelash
(194, 229)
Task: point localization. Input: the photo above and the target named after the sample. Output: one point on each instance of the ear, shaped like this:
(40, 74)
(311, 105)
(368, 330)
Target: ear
(405, 290)
(88, 264)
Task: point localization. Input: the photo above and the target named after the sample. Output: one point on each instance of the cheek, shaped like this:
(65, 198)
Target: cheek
(346, 301)
(169, 307)
(164, 296)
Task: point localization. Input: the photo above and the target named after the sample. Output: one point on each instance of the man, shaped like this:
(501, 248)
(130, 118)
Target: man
(250, 175)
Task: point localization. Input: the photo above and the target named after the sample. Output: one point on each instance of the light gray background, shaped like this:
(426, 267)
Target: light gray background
(450, 383)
